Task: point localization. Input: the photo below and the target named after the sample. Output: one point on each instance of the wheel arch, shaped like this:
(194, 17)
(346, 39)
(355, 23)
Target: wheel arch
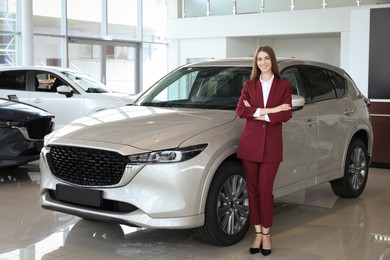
(363, 134)
(229, 155)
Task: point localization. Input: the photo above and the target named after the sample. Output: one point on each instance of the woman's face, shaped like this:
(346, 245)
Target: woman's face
(264, 62)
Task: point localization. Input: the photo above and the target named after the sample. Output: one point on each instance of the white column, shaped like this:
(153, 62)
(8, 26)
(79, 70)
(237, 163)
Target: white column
(26, 32)
(359, 48)
(344, 50)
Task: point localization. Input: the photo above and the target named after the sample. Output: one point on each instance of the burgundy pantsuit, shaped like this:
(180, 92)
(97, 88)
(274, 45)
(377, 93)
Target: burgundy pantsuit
(261, 145)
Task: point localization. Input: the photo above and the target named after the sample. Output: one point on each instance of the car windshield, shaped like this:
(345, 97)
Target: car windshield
(87, 83)
(198, 87)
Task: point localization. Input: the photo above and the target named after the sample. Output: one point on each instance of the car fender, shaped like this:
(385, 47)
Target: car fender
(360, 128)
(224, 148)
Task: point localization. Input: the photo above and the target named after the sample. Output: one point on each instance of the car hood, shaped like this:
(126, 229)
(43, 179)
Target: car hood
(115, 98)
(145, 128)
(20, 112)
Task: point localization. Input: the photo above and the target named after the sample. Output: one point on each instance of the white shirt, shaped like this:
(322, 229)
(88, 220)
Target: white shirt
(266, 87)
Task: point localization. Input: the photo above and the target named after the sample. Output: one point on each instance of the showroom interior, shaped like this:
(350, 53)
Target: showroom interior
(128, 45)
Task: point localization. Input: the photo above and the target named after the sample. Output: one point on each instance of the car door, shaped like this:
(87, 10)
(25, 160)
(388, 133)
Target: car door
(43, 88)
(300, 138)
(335, 114)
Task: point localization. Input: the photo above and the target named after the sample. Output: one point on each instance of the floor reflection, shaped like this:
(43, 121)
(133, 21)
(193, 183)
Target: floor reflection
(314, 225)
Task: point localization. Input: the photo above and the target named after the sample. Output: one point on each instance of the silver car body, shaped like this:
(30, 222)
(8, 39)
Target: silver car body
(175, 194)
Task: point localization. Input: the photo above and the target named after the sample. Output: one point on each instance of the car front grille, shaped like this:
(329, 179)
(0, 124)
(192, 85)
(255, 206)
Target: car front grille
(38, 128)
(85, 166)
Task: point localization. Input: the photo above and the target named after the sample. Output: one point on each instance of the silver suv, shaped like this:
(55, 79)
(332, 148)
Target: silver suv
(169, 160)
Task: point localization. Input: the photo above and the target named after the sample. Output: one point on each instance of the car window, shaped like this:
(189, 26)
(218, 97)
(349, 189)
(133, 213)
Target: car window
(292, 74)
(15, 80)
(86, 82)
(320, 84)
(47, 82)
(340, 83)
(198, 87)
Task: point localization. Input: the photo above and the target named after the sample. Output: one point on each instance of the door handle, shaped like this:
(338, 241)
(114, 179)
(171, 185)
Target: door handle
(37, 100)
(310, 122)
(348, 111)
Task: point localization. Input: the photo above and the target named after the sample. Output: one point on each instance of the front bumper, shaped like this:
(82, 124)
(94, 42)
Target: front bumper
(135, 218)
(15, 149)
(159, 195)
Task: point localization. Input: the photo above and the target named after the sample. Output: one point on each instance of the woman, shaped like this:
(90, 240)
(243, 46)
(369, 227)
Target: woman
(265, 103)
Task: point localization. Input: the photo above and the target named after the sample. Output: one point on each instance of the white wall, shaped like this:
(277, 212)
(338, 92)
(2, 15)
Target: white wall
(194, 49)
(359, 48)
(307, 34)
(265, 24)
(339, 36)
(241, 46)
(324, 49)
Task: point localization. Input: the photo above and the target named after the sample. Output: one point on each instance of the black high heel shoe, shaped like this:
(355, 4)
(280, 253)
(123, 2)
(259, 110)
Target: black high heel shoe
(255, 250)
(264, 251)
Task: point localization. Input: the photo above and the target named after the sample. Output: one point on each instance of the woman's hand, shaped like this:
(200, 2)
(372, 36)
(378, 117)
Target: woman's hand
(260, 118)
(246, 103)
(282, 107)
(264, 111)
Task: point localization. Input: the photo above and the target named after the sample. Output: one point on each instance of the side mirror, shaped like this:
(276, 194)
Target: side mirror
(65, 90)
(298, 102)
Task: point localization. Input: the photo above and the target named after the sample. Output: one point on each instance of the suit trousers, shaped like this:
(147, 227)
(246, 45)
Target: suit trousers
(260, 177)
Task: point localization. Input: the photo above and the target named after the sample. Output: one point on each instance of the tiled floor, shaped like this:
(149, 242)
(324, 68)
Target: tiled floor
(312, 225)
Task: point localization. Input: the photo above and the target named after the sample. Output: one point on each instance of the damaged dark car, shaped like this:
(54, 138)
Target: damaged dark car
(22, 129)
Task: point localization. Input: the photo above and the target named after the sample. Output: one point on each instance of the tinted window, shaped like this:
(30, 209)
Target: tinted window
(339, 82)
(292, 75)
(15, 80)
(319, 83)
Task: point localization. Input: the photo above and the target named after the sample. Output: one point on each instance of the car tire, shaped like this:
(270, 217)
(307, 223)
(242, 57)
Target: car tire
(352, 184)
(227, 207)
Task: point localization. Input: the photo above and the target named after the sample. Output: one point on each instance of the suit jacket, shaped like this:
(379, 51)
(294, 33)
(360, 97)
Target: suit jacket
(262, 141)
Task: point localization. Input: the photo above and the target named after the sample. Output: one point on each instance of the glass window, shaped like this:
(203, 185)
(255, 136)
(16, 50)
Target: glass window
(338, 3)
(8, 16)
(122, 19)
(85, 58)
(47, 82)
(221, 7)
(47, 16)
(121, 68)
(15, 80)
(8, 33)
(374, 2)
(321, 87)
(154, 21)
(48, 51)
(248, 6)
(292, 75)
(86, 82)
(339, 82)
(84, 18)
(154, 63)
(198, 87)
(195, 8)
(308, 4)
(277, 6)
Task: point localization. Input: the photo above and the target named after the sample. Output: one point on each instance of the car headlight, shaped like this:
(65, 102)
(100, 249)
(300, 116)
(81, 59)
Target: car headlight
(168, 156)
(9, 124)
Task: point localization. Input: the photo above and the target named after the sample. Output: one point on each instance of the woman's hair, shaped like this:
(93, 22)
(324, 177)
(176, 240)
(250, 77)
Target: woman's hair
(255, 69)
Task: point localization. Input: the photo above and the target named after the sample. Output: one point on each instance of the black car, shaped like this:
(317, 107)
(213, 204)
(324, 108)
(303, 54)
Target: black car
(22, 129)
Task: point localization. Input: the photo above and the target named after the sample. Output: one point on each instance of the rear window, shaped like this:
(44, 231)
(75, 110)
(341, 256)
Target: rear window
(320, 85)
(340, 83)
(15, 80)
